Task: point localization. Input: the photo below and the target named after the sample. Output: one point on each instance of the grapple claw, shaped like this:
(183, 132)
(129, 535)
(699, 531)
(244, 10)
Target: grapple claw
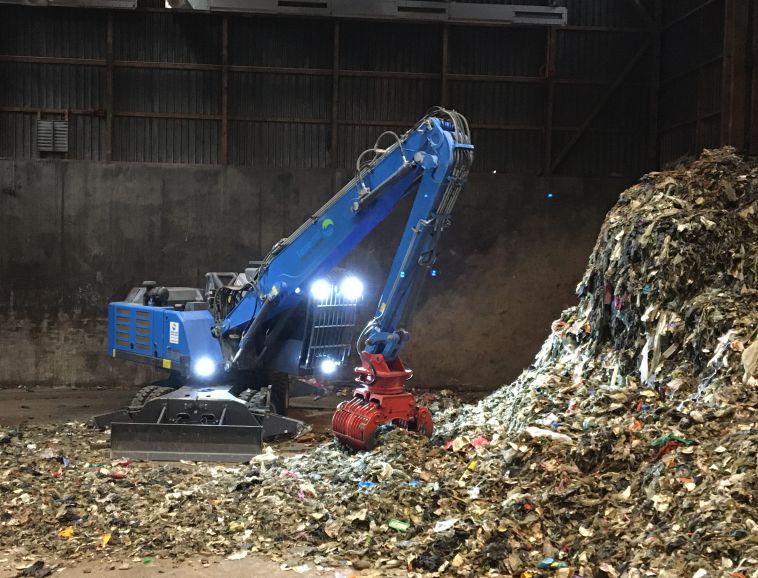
(381, 399)
(355, 423)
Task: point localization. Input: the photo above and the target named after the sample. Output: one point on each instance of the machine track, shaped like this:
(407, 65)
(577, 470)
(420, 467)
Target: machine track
(256, 398)
(147, 393)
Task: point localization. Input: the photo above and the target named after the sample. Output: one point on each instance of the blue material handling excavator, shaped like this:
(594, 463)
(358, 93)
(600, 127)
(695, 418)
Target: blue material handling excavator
(231, 348)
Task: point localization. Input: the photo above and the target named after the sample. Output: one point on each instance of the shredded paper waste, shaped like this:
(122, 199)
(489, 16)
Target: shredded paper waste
(627, 449)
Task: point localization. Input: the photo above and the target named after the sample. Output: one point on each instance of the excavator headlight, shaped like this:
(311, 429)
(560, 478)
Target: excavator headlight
(204, 367)
(321, 289)
(328, 366)
(351, 288)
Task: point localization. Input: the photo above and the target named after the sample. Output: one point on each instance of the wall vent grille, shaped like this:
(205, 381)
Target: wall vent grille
(52, 136)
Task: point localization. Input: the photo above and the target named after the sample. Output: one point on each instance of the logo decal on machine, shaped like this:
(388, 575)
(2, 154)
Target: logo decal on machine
(327, 229)
(173, 332)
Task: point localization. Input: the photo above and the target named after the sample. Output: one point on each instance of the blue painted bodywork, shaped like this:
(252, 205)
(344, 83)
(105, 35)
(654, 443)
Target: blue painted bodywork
(422, 163)
(146, 331)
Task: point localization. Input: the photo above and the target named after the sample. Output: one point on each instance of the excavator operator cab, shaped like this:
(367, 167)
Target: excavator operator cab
(149, 293)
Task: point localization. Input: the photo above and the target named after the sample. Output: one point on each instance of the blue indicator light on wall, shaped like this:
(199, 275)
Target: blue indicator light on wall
(434, 272)
(550, 195)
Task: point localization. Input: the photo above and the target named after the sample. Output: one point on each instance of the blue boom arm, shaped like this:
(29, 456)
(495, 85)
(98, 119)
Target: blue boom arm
(432, 160)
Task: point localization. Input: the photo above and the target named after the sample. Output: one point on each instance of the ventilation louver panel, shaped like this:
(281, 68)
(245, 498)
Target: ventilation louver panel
(60, 136)
(52, 136)
(45, 136)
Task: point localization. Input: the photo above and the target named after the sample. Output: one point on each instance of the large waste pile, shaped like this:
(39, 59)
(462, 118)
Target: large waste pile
(628, 448)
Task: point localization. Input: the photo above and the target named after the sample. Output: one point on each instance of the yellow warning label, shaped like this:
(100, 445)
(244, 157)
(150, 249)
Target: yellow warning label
(166, 364)
(382, 307)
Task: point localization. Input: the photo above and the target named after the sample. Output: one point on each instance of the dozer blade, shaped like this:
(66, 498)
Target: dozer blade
(207, 425)
(277, 426)
(196, 442)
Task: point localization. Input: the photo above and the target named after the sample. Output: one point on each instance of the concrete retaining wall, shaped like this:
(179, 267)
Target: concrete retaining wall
(75, 235)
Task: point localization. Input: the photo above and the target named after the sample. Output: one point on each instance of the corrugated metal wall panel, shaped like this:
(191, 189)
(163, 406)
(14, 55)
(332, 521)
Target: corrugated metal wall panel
(621, 13)
(692, 41)
(627, 110)
(500, 51)
(279, 145)
(17, 135)
(499, 103)
(710, 132)
(280, 42)
(184, 38)
(386, 99)
(691, 66)
(604, 154)
(164, 140)
(585, 54)
(167, 37)
(58, 33)
(677, 143)
(52, 85)
(680, 50)
(86, 138)
(677, 104)
(672, 10)
(573, 103)
(709, 89)
(167, 91)
(8, 92)
(401, 47)
(507, 151)
(280, 95)
(711, 41)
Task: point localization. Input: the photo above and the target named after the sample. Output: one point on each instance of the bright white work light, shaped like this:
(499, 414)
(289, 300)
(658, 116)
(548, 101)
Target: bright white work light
(351, 288)
(320, 290)
(204, 367)
(328, 366)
